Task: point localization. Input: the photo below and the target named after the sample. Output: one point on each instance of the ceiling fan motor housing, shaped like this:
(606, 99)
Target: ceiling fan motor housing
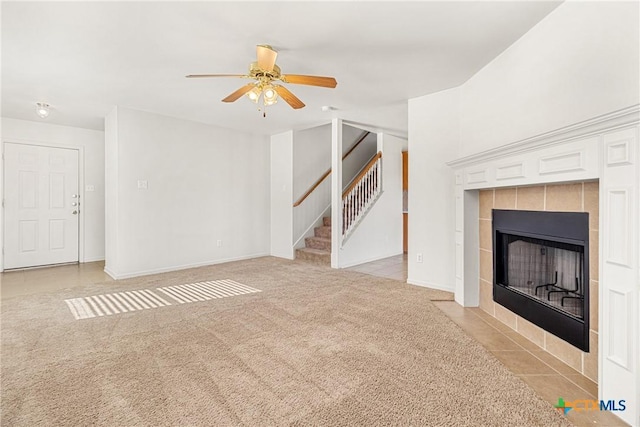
(257, 73)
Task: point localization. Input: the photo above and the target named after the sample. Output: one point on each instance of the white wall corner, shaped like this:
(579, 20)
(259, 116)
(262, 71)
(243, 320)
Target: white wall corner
(281, 200)
(434, 134)
(336, 191)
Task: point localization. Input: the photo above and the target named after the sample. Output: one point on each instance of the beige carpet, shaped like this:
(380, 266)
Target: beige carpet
(315, 347)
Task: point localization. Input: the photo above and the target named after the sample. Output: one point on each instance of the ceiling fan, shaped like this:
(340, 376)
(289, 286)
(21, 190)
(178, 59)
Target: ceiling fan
(265, 72)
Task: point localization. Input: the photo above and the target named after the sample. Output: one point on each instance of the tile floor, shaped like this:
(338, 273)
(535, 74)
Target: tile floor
(548, 376)
(544, 373)
(45, 279)
(394, 267)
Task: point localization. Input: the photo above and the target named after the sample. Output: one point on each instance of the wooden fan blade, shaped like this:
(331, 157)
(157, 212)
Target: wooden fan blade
(290, 98)
(237, 94)
(310, 80)
(266, 57)
(198, 76)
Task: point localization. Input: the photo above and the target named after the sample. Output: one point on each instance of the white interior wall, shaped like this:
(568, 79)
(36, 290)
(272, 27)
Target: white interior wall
(282, 195)
(359, 157)
(311, 152)
(433, 140)
(92, 144)
(580, 62)
(379, 235)
(311, 157)
(207, 196)
(111, 185)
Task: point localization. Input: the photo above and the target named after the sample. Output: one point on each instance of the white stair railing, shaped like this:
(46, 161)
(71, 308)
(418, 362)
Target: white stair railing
(361, 194)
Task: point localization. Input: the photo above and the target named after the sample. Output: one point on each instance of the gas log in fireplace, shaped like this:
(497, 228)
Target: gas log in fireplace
(541, 270)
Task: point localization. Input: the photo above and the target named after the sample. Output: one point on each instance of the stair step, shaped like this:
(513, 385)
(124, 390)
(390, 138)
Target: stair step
(323, 231)
(318, 243)
(314, 255)
(326, 220)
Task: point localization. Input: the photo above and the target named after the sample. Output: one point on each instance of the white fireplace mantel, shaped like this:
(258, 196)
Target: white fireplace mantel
(604, 148)
(566, 154)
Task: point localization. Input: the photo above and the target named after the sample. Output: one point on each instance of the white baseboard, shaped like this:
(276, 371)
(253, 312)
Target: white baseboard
(376, 258)
(94, 259)
(180, 267)
(110, 273)
(437, 286)
(291, 258)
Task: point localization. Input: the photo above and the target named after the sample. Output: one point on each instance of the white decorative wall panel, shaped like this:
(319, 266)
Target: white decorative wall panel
(619, 331)
(510, 171)
(562, 163)
(619, 273)
(617, 238)
(459, 214)
(477, 177)
(574, 160)
(619, 153)
(459, 260)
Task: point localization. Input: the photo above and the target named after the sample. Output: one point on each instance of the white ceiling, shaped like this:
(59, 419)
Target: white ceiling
(86, 57)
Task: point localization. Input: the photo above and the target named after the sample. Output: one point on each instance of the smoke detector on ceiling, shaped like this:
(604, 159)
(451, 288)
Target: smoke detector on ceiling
(42, 109)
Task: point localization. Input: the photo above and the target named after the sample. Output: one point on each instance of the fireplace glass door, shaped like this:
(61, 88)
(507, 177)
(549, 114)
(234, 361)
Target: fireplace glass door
(541, 270)
(550, 272)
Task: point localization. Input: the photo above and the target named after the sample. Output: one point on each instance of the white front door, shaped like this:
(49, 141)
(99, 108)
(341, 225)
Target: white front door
(41, 205)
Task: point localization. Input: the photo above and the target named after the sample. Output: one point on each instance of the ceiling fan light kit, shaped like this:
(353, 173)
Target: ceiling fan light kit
(268, 92)
(265, 72)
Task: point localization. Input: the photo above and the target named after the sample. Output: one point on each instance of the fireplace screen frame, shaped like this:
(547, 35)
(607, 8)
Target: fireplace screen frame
(564, 228)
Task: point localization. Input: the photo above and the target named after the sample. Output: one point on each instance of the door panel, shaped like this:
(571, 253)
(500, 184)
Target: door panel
(28, 191)
(40, 185)
(28, 236)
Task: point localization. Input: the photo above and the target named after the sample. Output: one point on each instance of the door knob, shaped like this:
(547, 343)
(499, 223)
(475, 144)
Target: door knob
(75, 196)
(74, 204)
(75, 212)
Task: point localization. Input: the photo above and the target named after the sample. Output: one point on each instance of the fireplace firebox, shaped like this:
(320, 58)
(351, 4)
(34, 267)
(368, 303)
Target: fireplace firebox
(541, 270)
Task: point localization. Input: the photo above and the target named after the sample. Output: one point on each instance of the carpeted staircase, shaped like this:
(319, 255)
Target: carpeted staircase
(318, 248)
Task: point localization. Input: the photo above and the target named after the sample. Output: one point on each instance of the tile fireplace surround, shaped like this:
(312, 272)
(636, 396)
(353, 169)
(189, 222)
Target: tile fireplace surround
(575, 197)
(593, 167)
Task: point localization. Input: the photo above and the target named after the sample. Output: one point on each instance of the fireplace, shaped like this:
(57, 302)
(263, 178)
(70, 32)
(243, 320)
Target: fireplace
(541, 270)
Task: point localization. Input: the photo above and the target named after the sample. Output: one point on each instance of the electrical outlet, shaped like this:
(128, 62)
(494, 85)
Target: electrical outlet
(143, 185)
(419, 257)
(219, 243)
